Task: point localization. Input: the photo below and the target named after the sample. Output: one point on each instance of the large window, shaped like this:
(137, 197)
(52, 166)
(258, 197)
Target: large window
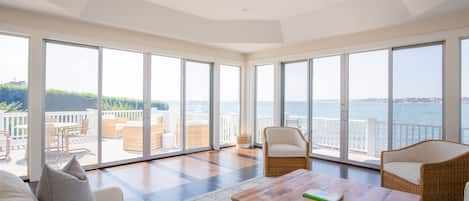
(326, 108)
(230, 104)
(122, 105)
(14, 104)
(71, 115)
(166, 104)
(368, 106)
(264, 114)
(197, 104)
(465, 91)
(296, 95)
(417, 94)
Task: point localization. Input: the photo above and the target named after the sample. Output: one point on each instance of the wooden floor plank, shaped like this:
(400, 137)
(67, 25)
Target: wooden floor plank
(182, 177)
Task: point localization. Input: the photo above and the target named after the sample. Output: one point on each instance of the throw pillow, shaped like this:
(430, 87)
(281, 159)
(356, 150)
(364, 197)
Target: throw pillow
(68, 184)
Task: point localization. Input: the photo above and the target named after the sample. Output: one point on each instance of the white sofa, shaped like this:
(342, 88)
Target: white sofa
(12, 188)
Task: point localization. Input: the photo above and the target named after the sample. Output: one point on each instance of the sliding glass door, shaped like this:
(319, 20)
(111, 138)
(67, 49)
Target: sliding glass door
(122, 105)
(417, 94)
(364, 103)
(14, 134)
(368, 106)
(230, 104)
(264, 100)
(71, 115)
(326, 106)
(165, 105)
(295, 86)
(197, 104)
(465, 91)
(108, 107)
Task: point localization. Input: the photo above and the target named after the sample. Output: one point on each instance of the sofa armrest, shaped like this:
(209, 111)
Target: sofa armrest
(109, 194)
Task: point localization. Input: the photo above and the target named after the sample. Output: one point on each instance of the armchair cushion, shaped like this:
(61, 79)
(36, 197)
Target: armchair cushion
(286, 150)
(284, 136)
(407, 170)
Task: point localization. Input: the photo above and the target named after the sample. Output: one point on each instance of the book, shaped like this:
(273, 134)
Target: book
(323, 195)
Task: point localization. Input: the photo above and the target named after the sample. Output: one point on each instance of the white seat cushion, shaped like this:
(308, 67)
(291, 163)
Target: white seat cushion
(286, 150)
(409, 171)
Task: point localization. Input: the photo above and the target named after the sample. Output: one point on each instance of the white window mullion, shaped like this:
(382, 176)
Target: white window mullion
(146, 105)
(36, 107)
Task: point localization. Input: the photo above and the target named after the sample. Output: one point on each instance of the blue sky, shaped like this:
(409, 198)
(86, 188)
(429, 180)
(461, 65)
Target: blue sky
(417, 73)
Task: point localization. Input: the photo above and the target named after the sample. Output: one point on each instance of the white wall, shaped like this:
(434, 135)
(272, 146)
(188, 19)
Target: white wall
(449, 28)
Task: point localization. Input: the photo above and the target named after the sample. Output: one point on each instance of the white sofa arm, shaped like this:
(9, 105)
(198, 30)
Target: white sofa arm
(109, 194)
(466, 192)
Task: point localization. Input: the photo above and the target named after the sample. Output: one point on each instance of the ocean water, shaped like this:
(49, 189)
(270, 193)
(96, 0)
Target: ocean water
(410, 113)
(403, 112)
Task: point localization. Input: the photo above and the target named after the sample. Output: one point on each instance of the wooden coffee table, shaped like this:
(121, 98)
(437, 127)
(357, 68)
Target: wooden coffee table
(291, 187)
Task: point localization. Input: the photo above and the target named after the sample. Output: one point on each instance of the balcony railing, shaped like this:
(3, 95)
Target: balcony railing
(13, 122)
(367, 137)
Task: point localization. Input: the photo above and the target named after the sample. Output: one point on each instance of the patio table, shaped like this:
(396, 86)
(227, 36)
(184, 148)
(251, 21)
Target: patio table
(61, 127)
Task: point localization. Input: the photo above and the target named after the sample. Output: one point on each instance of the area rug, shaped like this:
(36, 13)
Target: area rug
(225, 194)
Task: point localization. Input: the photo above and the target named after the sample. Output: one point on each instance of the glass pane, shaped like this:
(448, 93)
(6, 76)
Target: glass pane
(368, 107)
(122, 105)
(465, 91)
(14, 53)
(166, 104)
(197, 108)
(71, 118)
(296, 95)
(229, 104)
(417, 94)
(326, 106)
(264, 100)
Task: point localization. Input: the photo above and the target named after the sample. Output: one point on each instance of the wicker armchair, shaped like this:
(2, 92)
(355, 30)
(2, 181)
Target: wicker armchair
(285, 150)
(437, 170)
(5, 144)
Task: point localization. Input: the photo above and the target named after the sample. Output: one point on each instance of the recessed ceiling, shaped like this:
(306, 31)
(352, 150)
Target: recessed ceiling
(244, 25)
(246, 9)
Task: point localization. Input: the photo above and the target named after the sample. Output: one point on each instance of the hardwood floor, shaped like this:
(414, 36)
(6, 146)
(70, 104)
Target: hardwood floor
(182, 177)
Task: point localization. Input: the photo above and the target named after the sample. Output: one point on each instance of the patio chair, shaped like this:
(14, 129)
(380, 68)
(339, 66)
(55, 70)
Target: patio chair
(78, 132)
(285, 150)
(435, 169)
(5, 144)
(52, 139)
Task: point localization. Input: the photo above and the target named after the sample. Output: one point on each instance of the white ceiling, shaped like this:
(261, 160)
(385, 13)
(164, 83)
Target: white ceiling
(246, 9)
(244, 25)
